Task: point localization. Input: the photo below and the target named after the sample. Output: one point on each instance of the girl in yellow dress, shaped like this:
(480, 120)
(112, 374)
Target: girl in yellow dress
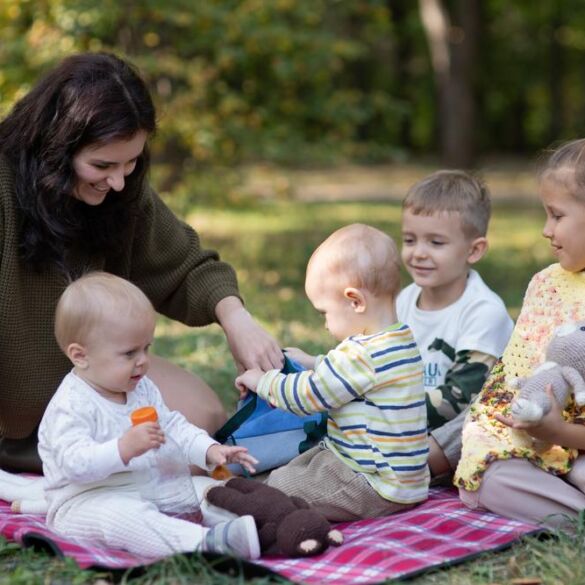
(513, 468)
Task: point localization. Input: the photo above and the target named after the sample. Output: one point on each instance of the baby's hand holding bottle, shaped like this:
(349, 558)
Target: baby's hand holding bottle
(163, 476)
(139, 439)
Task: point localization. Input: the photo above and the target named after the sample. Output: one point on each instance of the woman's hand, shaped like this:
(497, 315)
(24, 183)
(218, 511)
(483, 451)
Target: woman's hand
(552, 428)
(251, 346)
(304, 359)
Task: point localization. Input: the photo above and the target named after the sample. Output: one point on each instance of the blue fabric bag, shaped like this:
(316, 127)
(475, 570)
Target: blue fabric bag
(271, 435)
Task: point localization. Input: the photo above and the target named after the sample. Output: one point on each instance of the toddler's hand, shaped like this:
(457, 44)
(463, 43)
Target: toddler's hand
(222, 454)
(548, 429)
(140, 439)
(248, 381)
(301, 357)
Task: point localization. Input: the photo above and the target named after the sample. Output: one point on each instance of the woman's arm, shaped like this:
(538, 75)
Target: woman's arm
(251, 346)
(189, 283)
(164, 257)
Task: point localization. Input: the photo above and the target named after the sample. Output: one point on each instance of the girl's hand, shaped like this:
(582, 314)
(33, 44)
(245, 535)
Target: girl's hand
(140, 439)
(549, 429)
(248, 381)
(222, 454)
(302, 358)
(251, 346)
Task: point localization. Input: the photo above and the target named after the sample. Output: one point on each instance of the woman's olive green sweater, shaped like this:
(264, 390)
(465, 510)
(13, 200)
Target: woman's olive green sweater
(161, 255)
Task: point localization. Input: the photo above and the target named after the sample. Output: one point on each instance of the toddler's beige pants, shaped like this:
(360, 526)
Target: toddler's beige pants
(332, 487)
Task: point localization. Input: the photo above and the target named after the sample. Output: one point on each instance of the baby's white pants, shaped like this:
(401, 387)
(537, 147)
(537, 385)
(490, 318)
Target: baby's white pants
(117, 516)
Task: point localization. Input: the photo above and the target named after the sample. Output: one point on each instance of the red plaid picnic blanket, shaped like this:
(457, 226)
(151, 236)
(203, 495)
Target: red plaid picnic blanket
(437, 533)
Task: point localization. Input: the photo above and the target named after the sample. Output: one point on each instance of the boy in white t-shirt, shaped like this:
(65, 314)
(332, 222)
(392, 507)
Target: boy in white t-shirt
(459, 324)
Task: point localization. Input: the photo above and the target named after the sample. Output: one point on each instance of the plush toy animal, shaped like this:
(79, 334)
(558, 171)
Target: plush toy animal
(287, 526)
(564, 369)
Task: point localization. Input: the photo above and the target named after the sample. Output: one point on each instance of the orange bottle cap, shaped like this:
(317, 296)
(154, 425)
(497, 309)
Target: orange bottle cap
(144, 414)
(221, 472)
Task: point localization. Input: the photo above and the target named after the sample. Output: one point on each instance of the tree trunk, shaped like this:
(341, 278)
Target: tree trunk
(453, 49)
(556, 75)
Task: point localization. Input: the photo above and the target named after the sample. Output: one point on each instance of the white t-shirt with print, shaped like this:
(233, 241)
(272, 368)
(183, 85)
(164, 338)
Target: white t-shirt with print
(476, 321)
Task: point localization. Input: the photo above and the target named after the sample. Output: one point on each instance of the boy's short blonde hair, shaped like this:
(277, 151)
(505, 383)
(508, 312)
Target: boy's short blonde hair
(565, 164)
(88, 301)
(361, 256)
(452, 192)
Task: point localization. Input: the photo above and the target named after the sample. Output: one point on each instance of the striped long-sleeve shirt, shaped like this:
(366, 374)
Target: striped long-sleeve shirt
(372, 388)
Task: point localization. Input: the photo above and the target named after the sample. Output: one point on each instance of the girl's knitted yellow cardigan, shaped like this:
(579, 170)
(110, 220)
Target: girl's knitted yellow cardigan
(554, 297)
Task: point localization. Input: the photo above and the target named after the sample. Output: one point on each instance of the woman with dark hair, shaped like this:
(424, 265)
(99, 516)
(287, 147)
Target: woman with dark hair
(74, 197)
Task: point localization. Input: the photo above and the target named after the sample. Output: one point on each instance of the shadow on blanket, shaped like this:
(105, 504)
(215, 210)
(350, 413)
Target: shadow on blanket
(438, 533)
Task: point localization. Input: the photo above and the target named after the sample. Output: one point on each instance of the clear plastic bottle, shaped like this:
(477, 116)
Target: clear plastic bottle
(164, 476)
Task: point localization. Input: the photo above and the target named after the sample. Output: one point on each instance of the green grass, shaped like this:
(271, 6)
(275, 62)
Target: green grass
(269, 245)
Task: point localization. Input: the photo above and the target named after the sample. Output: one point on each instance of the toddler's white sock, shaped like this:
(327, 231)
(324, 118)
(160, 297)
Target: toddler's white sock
(238, 538)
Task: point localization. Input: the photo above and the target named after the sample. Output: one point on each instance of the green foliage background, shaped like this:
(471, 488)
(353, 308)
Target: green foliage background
(233, 79)
(309, 81)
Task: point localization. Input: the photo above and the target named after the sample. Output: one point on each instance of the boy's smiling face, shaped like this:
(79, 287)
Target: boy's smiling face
(437, 254)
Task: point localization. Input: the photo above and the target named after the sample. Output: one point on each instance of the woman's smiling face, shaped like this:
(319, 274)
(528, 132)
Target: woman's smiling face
(99, 169)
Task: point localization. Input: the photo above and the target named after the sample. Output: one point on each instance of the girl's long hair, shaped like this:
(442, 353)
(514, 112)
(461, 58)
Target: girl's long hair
(89, 99)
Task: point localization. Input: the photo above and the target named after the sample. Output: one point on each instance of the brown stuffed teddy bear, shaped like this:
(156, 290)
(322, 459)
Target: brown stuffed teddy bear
(287, 525)
(564, 370)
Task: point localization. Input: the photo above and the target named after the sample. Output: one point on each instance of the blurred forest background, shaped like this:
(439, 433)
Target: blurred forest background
(314, 82)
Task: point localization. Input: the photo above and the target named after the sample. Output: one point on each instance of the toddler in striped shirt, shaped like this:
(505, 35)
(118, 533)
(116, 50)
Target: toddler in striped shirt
(373, 460)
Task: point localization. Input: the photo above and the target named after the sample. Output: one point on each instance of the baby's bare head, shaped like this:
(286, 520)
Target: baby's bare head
(359, 256)
(97, 302)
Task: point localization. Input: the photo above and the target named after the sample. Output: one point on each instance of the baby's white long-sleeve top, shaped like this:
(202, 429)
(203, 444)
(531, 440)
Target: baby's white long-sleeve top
(79, 432)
